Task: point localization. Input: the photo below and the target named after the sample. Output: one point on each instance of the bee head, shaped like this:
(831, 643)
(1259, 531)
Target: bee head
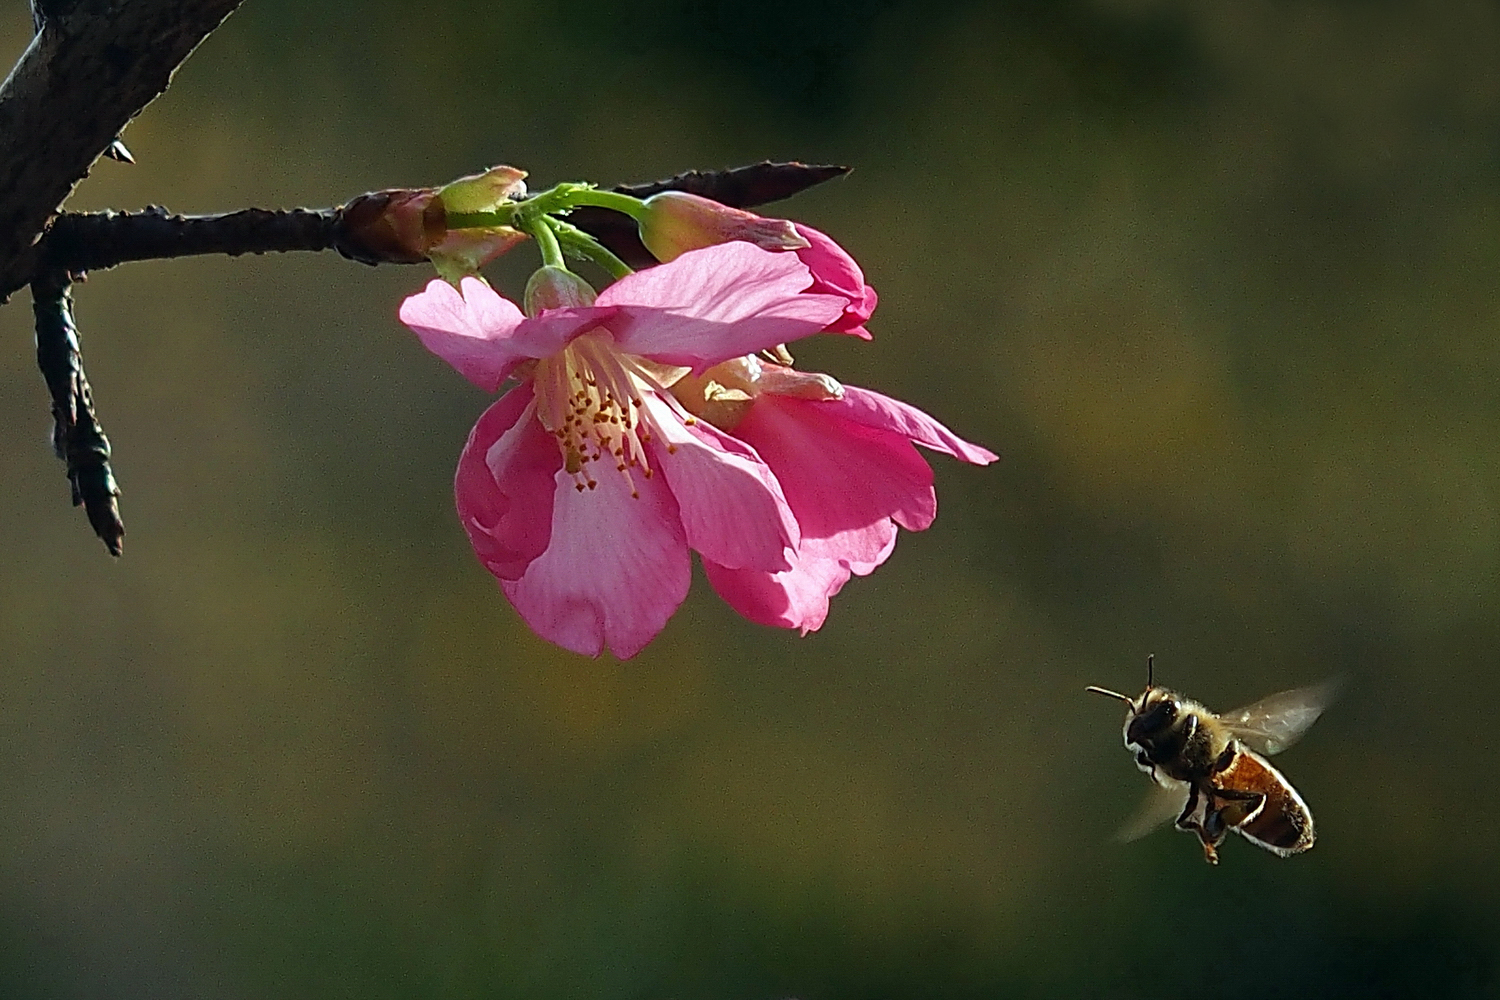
(1153, 714)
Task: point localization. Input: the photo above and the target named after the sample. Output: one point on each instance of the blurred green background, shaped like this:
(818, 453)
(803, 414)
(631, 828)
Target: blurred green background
(1217, 278)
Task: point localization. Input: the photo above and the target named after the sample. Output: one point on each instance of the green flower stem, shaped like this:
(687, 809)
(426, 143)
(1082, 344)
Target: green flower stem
(564, 197)
(633, 207)
(584, 245)
(555, 201)
(537, 216)
(546, 241)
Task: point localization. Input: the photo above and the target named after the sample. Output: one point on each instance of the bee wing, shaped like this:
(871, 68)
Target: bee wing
(1275, 723)
(1161, 805)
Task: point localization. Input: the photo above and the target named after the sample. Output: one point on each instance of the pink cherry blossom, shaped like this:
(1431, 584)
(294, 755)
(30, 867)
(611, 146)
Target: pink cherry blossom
(558, 485)
(674, 222)
(845, 460)
(835, 272)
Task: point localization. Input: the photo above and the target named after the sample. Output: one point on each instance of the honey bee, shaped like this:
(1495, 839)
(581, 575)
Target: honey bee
(1215, 766)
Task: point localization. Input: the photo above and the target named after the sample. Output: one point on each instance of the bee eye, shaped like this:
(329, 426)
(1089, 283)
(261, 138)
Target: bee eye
(1152, 721)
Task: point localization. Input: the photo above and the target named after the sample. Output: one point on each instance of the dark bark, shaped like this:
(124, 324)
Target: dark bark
(742, 187)
(77, 437)
(92, 241)
(90, 69)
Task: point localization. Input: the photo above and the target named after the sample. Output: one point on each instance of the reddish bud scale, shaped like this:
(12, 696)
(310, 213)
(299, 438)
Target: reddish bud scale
(396, 226)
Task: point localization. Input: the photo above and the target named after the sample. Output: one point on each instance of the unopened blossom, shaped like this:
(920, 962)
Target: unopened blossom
(409, 225)
(674, 222)
(845, 460)
(584, 487)
(464, 250)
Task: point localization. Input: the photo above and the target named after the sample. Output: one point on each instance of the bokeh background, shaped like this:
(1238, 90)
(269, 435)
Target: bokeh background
(1219, 280)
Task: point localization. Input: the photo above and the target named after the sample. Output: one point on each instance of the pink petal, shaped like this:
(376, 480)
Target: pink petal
(838, 475)
(841, 326)
(733, 510)
(550, 332)
(504, 484)
(834, 271)
(798, 597)
(717, 303)
(616, 569)
(846, 482)
(874, 410)
(468, 330)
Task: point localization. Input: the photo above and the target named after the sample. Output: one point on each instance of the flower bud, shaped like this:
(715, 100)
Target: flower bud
(676, 222)
(398, 226)
(484, 192)
(464, 251)
(556, 288)
(410, 225)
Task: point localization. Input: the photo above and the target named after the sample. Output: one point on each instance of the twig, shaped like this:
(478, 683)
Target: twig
(93, 241)
(77, 437)
(90, 69)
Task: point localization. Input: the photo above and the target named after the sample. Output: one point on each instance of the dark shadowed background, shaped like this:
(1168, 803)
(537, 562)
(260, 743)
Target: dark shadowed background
(1218, 279)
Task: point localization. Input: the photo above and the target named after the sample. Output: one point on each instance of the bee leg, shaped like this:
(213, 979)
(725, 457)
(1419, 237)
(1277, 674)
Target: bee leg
(1183, 821)
(1223, 810)
(1211, 832)
(1226, 758)
(1213, 825)
(1237, 805)
(1209, 840)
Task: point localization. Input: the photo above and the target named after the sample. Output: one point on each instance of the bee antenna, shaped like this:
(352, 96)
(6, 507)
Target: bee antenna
(1110, 694)
(1150, 663)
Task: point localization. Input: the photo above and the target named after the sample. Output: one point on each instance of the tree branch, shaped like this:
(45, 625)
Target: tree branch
(92, 241)
(93, 67)
(77, 437)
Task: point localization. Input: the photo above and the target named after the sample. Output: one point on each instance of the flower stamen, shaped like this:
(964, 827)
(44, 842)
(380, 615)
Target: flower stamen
(590, 397)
